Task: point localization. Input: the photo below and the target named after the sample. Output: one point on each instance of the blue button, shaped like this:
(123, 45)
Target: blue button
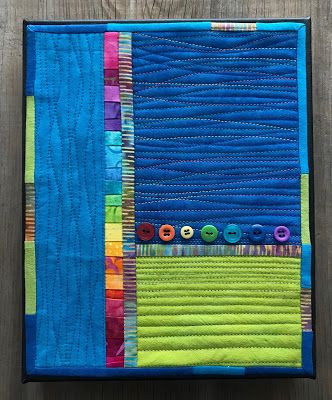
(256, 233)
(232, 233)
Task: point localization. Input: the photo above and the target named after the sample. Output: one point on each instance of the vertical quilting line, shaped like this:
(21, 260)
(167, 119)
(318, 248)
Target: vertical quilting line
(128, 202)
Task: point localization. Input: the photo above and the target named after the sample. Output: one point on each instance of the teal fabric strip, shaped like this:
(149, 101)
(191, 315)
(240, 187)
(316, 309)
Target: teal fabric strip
(159, 26)
(306, 266)
(279, 26)
(302, 99)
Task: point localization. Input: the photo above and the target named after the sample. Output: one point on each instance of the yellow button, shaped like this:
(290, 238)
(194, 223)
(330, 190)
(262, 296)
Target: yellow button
(187, 232)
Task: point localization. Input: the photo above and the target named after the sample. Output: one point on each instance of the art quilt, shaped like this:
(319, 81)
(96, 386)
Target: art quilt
(167, 182)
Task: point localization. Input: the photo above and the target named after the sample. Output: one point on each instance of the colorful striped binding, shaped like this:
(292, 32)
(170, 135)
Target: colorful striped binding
(233, 26)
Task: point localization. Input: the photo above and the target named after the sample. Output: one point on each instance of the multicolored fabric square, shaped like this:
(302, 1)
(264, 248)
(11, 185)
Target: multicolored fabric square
(167, 200)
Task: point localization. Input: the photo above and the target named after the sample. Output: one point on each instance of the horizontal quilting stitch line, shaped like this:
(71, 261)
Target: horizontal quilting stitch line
(239, 160)
(145, 300)
(181, 283)
(167, 58)
(286, 60)
(183, 84)
(240, 168)
(214, 120)
(219, 152)
(165, 67)
(229, 259)
(151, 275)
(189, 199)
(209, 184)
(240, 278)
(273, 77)
(223, 280)
(224, 347)
(229, 324)
(221, 290)
(237, 364)
(223, 209)
(220, 334)
(190, 193)
(215, 160)
(269, 176)
(215, 50)
(207, 309)
(229, 112)
(255, 36)
(145, 138)
(213, 104)
(149, 272)
(186, 44)
(221, 71)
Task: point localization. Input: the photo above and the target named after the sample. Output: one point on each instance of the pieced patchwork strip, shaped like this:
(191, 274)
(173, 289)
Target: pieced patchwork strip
(128, 200)
(119, 211)
(113, 205)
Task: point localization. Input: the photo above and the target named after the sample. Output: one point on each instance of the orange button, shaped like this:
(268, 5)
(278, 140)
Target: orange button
(166, 232)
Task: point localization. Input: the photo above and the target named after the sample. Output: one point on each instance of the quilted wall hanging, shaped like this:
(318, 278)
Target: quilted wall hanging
(168, 187)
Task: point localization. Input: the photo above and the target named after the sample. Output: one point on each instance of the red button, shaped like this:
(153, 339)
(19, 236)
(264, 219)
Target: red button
(166, 233)
(145, 231)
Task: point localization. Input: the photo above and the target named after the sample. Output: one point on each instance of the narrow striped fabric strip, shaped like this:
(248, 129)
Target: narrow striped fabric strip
(128, 203)
(29, 212)
(233, 26)
(158, 250)
(306, 310)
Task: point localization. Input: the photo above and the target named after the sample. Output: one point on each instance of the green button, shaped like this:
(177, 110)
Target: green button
(209, 233)
(232, 233)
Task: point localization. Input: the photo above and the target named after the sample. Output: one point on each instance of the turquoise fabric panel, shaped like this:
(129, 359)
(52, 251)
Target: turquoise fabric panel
(69, 183)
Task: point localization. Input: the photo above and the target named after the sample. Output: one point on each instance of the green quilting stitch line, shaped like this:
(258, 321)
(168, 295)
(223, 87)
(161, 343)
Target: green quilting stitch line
(240, 329)
(30, 277)
(218, 311)
(240, 356)
(30, 140)
(305, 234)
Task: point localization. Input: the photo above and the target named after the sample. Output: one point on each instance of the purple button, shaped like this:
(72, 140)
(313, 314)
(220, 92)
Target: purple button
(281, 233)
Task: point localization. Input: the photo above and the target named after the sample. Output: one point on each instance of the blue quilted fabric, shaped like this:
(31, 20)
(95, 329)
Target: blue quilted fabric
(216, 130)
(69, 182)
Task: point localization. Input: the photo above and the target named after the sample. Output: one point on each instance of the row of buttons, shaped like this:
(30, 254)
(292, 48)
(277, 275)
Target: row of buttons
(209, 233)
